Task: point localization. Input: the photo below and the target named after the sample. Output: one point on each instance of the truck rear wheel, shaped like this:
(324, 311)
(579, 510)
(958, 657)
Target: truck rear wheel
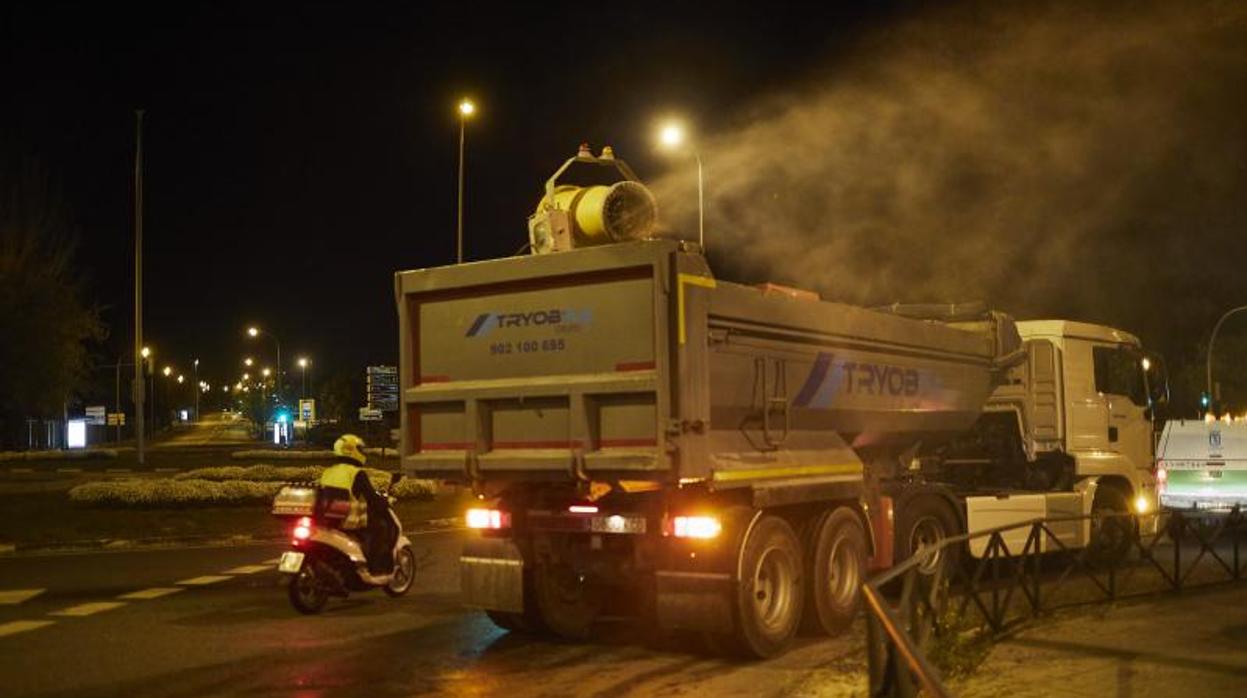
(771, 591)
(567, 603)
(927, 520)
(836, 557)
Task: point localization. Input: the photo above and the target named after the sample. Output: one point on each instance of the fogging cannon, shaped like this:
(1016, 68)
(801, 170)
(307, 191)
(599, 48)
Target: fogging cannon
(571, 216)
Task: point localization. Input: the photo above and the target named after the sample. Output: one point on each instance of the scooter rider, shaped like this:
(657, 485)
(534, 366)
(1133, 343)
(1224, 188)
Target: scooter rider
(368, 510)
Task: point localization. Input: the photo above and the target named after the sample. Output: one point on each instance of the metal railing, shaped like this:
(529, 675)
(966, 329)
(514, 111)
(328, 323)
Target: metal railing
(1003, 588)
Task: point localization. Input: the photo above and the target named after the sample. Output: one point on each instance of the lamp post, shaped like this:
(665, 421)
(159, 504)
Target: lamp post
(672, 137)
(256, 332)
(197, 382)
(303, 362)
(1208, 364)
(140, 352)
(466, 109)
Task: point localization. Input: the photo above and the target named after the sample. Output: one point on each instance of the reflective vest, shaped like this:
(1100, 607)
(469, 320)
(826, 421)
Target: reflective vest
(342, 477)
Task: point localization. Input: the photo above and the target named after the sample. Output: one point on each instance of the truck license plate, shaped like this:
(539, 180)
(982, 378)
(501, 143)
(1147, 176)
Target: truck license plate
(290, 562)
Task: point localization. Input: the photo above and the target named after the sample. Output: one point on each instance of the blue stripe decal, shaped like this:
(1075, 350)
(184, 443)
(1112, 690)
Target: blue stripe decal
(814, 381)
(478, 324)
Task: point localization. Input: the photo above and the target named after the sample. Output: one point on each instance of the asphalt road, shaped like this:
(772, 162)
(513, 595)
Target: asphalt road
(216, 429)
(215, 622)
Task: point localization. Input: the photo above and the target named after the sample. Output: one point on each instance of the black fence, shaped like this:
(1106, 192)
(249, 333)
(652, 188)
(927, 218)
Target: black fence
(913, 605)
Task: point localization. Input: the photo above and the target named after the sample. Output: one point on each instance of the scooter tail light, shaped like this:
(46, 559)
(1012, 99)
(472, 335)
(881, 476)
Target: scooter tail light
(303, 529)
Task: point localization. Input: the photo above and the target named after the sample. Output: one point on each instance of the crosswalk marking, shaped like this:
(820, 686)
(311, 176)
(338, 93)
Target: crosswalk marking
(88, 609)
(204, 580)
(248, 569)
(153, 593)
(9, 597)
(274, 561)
(21, 626)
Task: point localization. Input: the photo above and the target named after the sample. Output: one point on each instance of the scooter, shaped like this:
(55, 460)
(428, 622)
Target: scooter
(325, 561)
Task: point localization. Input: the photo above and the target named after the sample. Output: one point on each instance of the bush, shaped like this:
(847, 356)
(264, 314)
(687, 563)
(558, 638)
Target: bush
(227, 485)
(76, 454)
(282, 455)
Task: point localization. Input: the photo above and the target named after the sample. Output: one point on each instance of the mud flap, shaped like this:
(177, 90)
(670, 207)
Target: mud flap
(492, 575)
(694, 601)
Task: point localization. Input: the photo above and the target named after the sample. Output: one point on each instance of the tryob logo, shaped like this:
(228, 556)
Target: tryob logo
(486, 323)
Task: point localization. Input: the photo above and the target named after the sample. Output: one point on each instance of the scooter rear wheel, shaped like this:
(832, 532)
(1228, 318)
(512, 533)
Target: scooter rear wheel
(306, 591)
(404, 572)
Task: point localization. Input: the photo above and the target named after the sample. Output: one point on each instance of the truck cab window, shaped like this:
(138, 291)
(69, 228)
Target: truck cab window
(1118, 371)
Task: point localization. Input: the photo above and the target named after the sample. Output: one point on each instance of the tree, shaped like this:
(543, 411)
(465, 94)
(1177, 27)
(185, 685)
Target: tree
(45, 322)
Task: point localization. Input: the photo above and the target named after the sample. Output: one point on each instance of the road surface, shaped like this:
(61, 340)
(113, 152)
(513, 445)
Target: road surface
(213, 621)
(217, 429)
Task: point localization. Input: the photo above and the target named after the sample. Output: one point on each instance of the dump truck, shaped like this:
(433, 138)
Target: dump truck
(648, 440)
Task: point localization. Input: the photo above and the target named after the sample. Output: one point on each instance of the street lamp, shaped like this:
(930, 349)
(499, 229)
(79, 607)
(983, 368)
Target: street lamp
(181, 379)
(196, 362)
(466, 110)
(265, 372)
(672, 138)
(256, 332)
(167, 370)
(1211, 340)
(303, 362)
(247, 362)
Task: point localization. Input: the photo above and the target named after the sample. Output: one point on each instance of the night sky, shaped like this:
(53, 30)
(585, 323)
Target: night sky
(296, 156)
(1088, 164)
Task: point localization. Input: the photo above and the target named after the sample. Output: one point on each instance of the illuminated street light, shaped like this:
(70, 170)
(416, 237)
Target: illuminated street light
(466, 110)
(181, 378)
(247, 362)
(672, 137)
(265, 373)
(246, 376)
(256, 332)
(146, 352)
(303, 364)
(167, 370)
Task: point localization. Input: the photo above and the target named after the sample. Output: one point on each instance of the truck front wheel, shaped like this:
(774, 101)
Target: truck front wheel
(770, 594)
(837, 555)
(925, 521)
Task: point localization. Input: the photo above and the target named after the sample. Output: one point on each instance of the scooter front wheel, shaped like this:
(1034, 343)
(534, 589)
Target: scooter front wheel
(404, 572)
(307, 593)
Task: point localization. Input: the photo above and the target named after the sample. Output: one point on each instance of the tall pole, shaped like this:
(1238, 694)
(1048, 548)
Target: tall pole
(463, 121)
(1211, 340)
(701, 208)
(117, 401)
(138, 283)
(198, 390)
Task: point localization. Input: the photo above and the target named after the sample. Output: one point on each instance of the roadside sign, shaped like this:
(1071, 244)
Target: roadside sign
(368, 414)
(307, 410)
(116, 419)
(382, 388)
(96, 414)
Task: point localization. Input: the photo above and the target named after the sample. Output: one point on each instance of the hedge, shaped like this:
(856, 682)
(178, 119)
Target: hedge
(76, 454)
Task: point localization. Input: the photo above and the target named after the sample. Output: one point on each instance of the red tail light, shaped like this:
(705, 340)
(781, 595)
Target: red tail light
(488, 519)
(303, 529)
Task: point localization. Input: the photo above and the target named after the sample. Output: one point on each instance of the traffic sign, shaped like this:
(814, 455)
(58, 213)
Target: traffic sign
(116, 419)
(96, 414)
(368, 414)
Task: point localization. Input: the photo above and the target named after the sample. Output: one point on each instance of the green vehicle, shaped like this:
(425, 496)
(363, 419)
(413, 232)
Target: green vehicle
(1202, 465)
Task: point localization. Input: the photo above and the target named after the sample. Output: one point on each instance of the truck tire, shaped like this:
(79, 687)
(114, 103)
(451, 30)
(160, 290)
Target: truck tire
(1110, 537)
(528, 621)
(835, 561)
(926, 520)
(770, 594)
(568, 606)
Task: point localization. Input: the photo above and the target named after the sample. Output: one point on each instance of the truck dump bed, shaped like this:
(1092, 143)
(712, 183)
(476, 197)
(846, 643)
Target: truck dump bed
(631, 362)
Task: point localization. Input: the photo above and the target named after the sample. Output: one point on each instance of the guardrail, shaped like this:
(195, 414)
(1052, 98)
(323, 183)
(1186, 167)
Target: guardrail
(1003, 588)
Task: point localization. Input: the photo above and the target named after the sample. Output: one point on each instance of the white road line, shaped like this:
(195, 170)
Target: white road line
(10, 597)
(21, 626)
(274, 561)
(203, 581)
(69, 470)
(248, 569)
(21, 470)
(168, 470)
(153, 593)
(117, 470)
(88, 609)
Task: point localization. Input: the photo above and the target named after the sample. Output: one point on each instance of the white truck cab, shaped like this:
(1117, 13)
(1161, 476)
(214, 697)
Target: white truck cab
(1082, 401)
